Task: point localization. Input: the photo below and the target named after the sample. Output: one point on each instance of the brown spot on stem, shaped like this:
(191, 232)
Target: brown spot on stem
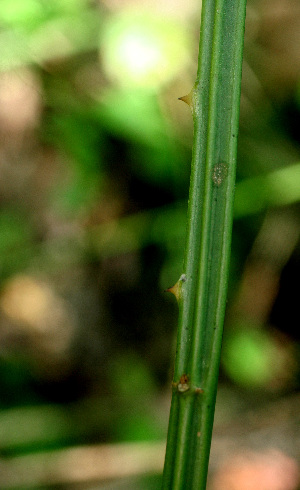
(183, 384)
(219, 173)
(184, 379)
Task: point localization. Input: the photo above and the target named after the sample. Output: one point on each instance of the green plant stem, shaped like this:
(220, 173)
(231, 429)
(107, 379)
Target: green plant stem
(202, 289)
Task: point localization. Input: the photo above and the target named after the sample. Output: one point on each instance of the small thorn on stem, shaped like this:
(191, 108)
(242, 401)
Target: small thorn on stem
(188, 99)
(176, 289)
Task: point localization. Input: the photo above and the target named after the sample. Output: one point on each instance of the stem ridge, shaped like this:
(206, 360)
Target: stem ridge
(215, 101)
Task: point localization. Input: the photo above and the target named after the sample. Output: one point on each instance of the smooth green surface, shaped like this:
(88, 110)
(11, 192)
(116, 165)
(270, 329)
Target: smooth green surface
(216, 98)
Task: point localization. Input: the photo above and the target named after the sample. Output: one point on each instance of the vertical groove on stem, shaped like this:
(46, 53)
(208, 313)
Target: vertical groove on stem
(216, 96)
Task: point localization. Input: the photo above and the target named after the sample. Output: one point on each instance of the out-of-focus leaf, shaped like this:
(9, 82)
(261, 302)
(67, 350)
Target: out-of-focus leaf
(34, 32)
(139, 49)
(137, 117)
(138, 426)
(130, 376)
(134, 115)
(78, 138)
(16, 242)
(64, 36)
(251, 357)
(277, 188)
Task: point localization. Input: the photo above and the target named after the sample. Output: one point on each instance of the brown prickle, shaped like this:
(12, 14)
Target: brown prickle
(188, 99)
(175, 290)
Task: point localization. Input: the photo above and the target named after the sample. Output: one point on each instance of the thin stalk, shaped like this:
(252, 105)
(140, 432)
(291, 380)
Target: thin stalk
(202, 289)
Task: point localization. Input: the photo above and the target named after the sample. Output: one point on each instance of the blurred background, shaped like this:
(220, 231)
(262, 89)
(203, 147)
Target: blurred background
(95, 154)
